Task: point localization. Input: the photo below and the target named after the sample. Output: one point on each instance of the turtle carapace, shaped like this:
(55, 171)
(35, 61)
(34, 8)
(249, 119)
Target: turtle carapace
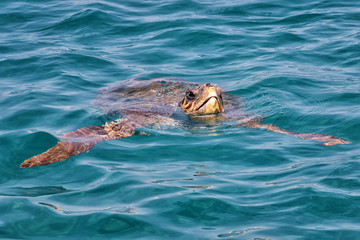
(145, 103)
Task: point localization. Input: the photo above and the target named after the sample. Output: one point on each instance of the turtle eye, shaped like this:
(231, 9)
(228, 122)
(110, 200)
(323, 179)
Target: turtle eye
(190, 95)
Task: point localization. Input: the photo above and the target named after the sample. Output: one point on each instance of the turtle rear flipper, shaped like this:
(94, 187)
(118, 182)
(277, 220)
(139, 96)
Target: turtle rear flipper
(82, 140)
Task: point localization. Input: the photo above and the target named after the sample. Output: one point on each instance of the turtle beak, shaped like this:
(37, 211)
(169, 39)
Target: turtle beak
(203, 99)
(211, 101)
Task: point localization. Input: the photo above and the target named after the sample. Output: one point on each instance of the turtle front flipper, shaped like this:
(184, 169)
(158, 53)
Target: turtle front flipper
(327, 139)
(62, 151)
(82, 140)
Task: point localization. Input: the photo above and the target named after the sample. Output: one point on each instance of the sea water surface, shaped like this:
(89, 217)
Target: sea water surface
(296, 63)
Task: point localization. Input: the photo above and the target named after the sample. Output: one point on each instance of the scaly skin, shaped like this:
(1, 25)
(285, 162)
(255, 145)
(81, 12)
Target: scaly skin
(82, 140)
(209, 96)
(198, 101)
(327, 139)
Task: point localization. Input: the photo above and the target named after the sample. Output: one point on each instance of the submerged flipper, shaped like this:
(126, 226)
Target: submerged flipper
(327, 139)
(82, 140)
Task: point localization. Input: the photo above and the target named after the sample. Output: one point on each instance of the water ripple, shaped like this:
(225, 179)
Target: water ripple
(291, 64)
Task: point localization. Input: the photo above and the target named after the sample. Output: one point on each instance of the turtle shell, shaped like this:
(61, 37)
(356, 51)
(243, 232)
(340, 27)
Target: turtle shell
(154, 97)
(159, 95)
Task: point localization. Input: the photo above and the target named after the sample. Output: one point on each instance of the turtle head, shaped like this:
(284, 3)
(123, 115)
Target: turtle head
(203, 99)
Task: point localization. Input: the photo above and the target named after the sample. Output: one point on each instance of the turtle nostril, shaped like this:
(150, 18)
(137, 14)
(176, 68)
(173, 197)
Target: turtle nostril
(208, 84)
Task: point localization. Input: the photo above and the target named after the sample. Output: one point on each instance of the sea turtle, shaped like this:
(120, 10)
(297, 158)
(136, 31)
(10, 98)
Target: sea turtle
(154, 102)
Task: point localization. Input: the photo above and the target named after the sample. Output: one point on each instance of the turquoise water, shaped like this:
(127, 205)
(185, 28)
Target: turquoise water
(296, 64)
